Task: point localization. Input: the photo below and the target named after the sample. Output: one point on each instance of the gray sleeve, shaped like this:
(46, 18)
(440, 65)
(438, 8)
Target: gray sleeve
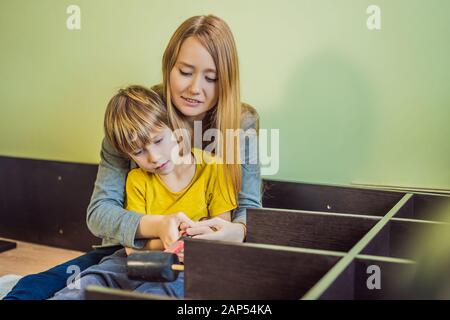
(250, 193)
(106, 217)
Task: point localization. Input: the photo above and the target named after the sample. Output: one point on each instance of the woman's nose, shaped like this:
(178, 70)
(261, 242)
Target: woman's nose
(194, 86)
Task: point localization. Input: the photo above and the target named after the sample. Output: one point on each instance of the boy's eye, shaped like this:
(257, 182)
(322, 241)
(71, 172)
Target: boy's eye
(137, 152)
(158, 141)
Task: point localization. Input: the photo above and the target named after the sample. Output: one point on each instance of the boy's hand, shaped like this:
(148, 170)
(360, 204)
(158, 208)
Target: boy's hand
(170, 226)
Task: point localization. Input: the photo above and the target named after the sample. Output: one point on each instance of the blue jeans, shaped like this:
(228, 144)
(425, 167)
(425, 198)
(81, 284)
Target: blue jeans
(111, 273)
(44, 285)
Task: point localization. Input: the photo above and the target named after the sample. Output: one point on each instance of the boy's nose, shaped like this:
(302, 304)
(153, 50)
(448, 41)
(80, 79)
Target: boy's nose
(153, 158)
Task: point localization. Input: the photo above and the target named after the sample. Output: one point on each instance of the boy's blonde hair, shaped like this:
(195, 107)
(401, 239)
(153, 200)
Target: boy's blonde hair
(131, 115)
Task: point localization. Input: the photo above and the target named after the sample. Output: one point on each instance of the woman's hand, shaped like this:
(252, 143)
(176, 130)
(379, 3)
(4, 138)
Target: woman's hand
(170, 225)
(225, 230)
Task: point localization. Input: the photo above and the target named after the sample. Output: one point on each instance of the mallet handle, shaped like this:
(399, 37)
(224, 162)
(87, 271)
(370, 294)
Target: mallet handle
(178, 267)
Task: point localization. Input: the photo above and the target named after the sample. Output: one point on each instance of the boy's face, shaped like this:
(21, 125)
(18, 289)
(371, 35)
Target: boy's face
(158, 156)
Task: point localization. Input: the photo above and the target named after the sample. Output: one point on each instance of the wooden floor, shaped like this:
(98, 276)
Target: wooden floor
(30, 258)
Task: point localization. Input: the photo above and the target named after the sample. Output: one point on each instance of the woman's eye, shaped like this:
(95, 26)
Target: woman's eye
(210, 79)
(185, 73)
(137, 153)
(158, 141)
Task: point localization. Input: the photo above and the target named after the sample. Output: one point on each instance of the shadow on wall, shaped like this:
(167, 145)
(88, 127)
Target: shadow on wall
(326, 120)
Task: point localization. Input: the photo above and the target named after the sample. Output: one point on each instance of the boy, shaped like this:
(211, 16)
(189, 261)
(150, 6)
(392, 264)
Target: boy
(172, 187)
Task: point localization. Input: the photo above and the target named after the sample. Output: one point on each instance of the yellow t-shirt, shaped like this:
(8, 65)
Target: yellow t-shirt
(207, 195)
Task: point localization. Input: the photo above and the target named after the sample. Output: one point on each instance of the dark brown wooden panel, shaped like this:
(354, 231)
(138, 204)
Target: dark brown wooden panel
(308, 230)
(315, 197)
(352, 284)
(45, 202)
(428, 207)
(343, 287)
(394, 279)
(103, 293)
(7, 245)
(407, 236)
(402, 238)
(219, 270)
(380, 245)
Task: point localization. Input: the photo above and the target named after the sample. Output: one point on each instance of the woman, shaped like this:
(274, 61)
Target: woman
(200, 83)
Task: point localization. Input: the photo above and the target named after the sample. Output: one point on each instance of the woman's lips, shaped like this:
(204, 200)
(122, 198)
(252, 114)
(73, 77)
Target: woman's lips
(191, 102)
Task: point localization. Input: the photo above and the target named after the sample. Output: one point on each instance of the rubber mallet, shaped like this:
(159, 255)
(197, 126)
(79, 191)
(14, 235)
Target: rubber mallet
(156, 266)
(153, 266)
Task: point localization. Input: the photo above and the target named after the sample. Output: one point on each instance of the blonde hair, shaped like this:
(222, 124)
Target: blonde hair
(215, 35)
(131, 115)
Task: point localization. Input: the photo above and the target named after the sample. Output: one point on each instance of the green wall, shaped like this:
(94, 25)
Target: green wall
(352, 105)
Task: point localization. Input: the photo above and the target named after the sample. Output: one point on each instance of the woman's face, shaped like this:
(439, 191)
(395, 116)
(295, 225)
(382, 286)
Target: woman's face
(193, 80)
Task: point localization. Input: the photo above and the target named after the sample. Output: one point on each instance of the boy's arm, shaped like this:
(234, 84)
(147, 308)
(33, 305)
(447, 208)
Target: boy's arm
(137, 199)
(152, 244)
(163, 227)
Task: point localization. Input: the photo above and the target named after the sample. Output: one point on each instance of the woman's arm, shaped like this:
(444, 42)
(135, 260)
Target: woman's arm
(218, 229)
(106, 217)
(225, 216)
(250, 193)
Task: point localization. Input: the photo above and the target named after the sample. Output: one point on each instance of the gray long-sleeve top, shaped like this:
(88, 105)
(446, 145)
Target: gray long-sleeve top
(106, 217)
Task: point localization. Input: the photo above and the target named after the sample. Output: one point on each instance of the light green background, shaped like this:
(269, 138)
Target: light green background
(352, 105)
